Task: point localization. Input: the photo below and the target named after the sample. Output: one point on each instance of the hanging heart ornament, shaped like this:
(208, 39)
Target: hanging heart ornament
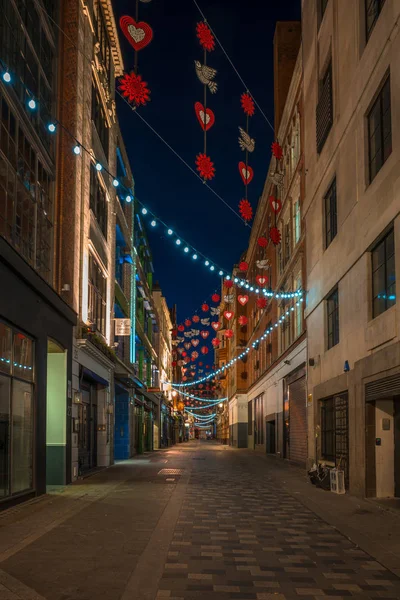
(206, 117)
(204, 334)
(246, 173)
(228, 314)
(243, 300)
(216, 325)
(139, 35)
(187, 345)
(195, 342)
(262, 280)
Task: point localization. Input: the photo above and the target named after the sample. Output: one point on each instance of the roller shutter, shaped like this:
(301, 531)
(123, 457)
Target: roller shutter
(298, 421)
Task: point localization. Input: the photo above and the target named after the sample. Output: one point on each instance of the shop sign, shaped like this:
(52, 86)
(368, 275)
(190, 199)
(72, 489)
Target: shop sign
(122, 327)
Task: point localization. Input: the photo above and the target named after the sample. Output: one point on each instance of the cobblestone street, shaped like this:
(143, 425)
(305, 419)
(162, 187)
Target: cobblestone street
(196, 521)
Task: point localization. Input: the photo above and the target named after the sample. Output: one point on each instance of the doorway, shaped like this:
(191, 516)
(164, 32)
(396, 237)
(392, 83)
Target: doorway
(271, 448)
(56, 414)
(87, 439)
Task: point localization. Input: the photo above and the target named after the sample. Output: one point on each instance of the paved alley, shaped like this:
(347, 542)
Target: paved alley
(200, 520)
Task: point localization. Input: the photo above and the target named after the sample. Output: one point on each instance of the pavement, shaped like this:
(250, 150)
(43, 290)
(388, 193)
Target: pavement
(198, 521)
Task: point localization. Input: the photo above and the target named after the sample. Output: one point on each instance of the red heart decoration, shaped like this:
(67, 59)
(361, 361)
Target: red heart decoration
(275, 203)
(187, 345)
(243, 300)
(262, 280)
(195, 343)
(206, 120)
(246, 174)
(228, 314)
(139, 35)
(216, 325)
(204, 334)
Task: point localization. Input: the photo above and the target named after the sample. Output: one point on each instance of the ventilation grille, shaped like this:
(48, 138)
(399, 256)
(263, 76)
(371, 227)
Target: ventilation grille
(170, 472)
(390, 386)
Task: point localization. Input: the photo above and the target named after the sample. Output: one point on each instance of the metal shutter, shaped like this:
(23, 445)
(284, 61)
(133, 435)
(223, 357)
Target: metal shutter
(383, 388)
(298, 421)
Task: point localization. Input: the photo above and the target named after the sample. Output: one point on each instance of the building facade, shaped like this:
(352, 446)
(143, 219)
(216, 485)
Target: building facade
(36, 324)
(351, 208)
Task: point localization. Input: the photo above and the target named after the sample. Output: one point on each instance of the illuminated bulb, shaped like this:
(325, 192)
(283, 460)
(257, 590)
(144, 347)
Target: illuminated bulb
(194, 257)
(170, 232)
(178, 242)
(153, 223)
(212, 268)
(98, 167)
(220, 273)
(144, 211)
(115, 183)
(32, 104)
(128, 199)
(228, 277)
(77, 150)
(6, 77)
(51, 127)
(207, 263)
(186, 249)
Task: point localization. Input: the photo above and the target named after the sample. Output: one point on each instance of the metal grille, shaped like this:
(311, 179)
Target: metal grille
(342, 435)
(170, 472)
(390, 386)
(324, 113)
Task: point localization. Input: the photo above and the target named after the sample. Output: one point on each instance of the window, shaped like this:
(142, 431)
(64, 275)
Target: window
(332, 303)
(334, 431)
(330, 214)
(324, 111)
(379, 131)
(258, 420)
(16, 410)
(99, 119)
(298, 310)
(98, 201)
(383, 275)
(97, 302)
(373, 9)
(296, 222)
(322, 4)
(102, 37)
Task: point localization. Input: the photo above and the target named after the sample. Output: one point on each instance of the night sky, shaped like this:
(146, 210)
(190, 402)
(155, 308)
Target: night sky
(162, 182)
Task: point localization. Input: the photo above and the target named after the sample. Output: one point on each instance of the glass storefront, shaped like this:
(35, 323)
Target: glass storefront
(16, 411)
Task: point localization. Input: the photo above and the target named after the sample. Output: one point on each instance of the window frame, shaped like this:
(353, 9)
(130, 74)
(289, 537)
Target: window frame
(332, 319)
(383, 242)
(370, 27)
(97, 298)
(98, 202)
(379, 100)
(330, 216)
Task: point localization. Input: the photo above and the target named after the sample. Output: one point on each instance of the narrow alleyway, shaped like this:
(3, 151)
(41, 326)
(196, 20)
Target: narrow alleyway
(200, 520)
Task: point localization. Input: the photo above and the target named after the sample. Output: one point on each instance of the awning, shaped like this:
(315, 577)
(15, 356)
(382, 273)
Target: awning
(94, 377)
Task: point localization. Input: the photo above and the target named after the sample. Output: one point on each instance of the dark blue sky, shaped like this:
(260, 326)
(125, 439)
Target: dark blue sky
(163, 183)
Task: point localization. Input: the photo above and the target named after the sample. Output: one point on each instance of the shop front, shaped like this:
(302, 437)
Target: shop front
(36, 332)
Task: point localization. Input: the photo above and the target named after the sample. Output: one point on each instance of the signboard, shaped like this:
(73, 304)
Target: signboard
(122, 327)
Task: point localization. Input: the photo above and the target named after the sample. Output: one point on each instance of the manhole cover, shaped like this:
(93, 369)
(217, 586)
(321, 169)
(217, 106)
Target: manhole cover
(170, 472)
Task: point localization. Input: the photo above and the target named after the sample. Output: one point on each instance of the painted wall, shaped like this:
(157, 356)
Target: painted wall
(56, 418)
(384, 454)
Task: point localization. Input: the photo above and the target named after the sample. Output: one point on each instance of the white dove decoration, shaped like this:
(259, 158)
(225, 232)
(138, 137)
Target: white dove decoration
(245, 141)
(206, 75)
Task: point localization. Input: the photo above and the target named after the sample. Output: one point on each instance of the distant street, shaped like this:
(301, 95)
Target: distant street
(200, 520)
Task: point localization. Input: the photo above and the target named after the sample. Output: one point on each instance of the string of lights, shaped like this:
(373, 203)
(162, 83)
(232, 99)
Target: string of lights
(246, 351)
(196, 398)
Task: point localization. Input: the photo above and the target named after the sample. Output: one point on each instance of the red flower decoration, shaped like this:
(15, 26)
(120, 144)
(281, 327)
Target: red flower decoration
(261, 302)
(275, 203)
(229, 333)
(215, 342)
(277, 150)
(184, 378)
(205, 307)
(262, 242)
(188, 322)
(247, 104)
(134, 88)
(205, 36)
(243, 320)
(245, 210)
(195, 318)
(187, 359)
(215, 297)
(200, 364)
(243, 266)
(181, 328)
(228, 283)
(183, 353)
(275, 235)
(205, 166)
(204, 350)
(174, 363)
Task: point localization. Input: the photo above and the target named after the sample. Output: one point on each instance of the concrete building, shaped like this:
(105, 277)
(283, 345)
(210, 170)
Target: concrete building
(86, 273)
(36, 324)
(351, 52)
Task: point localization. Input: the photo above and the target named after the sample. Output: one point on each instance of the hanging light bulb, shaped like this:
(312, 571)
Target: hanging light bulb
(144, 211)
(32, 104)
(51, 127)
(128, 199)
(115, 183)
(153, 223)
(7, 77)
(77, 150)
(98, 167)
(170, 232)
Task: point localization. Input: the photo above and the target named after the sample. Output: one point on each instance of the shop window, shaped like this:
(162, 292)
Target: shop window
(296, 222)
(330, 214)
(379, 131)
(16, 412)
(98, 201)
(97, 302)
(334, 431)
(383, 275)
(332, 307)
(373, 9)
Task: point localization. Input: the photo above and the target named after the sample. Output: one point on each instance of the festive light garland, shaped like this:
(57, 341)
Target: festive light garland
(243, 354)
(202, 417)
(196, 398)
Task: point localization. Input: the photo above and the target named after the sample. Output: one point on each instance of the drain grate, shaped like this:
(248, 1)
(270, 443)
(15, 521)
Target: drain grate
(170, 472)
